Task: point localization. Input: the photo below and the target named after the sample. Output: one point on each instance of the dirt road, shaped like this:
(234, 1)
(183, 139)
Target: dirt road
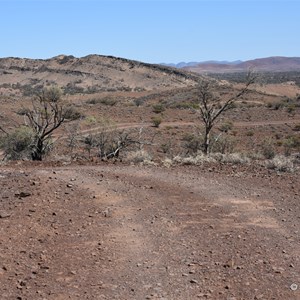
(128, 232)
(122, 126)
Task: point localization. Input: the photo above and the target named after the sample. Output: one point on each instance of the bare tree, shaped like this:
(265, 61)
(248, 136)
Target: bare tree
(109, 142)
(212, 106)
(48, 112)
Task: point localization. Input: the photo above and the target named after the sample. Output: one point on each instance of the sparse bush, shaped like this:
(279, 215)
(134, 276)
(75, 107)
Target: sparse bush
(199, 159)
(18, 144)
(192, 143)
(222, 144)
(250, 133)
(277, 105)
(72, 114)
(108, 101)
(291, 108)
(139, 101)
(167, 162)
(156, 121)
(139, 157)
(158, 108)
(296, 127)
(105, 101)
(292, 142)
(108, 142)
(268, 149)
(22, 111)
(281, 163)
(226, 126)
(235, 158)
(166, 147)
(90, 120)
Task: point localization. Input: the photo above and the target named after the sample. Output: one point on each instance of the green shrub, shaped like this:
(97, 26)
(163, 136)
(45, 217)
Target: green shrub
(250, 133)
(158, 108)
(292, 142)
(268, 149)
(105, 101)
(226, 126)
(291, 108)
(90, 120)
(192, 143)
(73, 114)
(156, 121)
(18, 143)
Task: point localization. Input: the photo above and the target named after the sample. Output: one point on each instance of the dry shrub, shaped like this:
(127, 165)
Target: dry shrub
(199, 159)
(281, 163)
(235, 158)
(139, 157)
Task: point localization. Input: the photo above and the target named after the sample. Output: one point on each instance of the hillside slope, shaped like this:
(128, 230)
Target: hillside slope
(91, 73)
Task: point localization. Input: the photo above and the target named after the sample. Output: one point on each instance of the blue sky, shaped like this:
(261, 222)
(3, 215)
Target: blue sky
(151, 30)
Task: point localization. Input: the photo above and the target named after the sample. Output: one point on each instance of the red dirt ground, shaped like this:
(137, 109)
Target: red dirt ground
(128, 232)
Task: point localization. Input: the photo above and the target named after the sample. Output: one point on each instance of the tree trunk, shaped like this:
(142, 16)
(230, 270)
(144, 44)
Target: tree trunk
(37, 153)
(206, 144)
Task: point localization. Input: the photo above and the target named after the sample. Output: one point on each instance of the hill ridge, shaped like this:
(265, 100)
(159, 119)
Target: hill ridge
(93, 72)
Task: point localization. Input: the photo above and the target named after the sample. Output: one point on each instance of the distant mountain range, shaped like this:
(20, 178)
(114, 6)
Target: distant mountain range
(269, 64)
(194, 63)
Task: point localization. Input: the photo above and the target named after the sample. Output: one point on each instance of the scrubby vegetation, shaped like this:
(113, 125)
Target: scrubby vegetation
(92, 134)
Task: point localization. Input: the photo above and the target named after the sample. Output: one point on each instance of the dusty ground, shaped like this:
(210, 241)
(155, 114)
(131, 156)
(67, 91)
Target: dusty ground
(127, 232)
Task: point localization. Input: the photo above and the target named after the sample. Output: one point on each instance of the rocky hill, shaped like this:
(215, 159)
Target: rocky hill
(93, 73)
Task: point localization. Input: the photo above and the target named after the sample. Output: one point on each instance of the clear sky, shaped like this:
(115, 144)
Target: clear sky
(151, 30)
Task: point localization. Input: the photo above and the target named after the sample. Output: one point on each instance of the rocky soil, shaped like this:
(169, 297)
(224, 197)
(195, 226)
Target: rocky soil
(110, 231)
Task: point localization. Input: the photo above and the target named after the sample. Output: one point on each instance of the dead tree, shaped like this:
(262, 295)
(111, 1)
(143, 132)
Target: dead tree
(212, 106)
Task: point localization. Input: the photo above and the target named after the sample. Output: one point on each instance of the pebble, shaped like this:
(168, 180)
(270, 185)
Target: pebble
(4, 215)
(193, 281)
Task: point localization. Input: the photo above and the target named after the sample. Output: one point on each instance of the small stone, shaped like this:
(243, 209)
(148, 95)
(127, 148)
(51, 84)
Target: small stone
(194, 281)
(278, 270)
(4, 215)
(23, 194)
